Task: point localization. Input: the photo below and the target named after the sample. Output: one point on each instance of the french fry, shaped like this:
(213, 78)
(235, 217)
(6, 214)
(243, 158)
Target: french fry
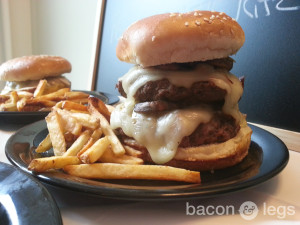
(97, 134)
(53, 162)
(69, 105)
(54, 96)
(4, 98)
(109, 157)
(80, 100)
(40, 88)
(45, 145)
(94, 137)
(21, 104)
(69, 123)
(9, 107)
(82, 118)
(26, 105)
(56, 133)
(125, 171)
(25, 94)
(92, 154)
(40, 102)
(86, 120)
(90, 142)
(14, 97)
(131, 151)
(117, 147)
(78, 144)
(100, 106)
(75, 95)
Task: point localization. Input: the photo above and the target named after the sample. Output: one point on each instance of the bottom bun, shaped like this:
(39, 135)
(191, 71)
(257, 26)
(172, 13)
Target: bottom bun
(213, 156)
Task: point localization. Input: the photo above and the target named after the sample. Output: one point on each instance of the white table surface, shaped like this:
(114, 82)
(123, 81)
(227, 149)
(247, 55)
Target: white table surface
(278, 201)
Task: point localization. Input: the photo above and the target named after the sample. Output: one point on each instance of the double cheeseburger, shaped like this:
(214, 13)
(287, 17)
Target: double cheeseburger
(24, 73)
(181, 101)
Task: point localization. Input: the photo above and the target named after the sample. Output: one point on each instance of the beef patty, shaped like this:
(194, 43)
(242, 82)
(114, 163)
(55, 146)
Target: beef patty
(163, 90)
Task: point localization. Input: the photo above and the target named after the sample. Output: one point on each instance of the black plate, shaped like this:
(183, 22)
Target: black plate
(23, 200)
(267, 157)
(30, 117)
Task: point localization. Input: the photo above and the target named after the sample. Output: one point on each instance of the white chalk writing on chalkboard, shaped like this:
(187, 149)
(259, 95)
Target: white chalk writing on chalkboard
(252, 11)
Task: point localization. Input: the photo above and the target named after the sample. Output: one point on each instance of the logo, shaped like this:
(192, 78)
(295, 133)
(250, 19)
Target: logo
(248, 210)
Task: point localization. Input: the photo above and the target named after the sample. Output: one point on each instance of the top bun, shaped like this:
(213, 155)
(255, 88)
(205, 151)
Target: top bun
(180, 37)
(34, 67)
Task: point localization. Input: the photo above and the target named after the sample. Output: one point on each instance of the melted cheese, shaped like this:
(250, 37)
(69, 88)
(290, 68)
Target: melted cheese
(161, 134)
(53, 84)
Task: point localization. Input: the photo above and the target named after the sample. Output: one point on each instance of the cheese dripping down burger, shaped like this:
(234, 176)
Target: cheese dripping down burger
(181, 101)
(24, 73)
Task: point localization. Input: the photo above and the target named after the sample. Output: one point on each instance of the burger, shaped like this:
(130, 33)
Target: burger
(180, 104)
(24, 73)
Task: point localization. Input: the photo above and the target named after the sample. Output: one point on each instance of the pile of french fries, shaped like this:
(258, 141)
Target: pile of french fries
(25, 101)
(85, 145)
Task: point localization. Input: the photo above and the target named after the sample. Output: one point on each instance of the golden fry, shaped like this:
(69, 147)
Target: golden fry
(45, 145)
(53, 162)
(56, 133)
(117, 147)
(97, 134)
(4, 98)
(14, 97)
(125, 171)
(92, 154)
(54, 96)
(78, 144)
(75, 95)
(90, 142)
(86, 120)
(100, 107)
(40, 102)
(40, 88)
(10, 107)
(109, 157)
(69, 105)
(21, 104)
(80, 100)
(69, 123)
(131, 151)
(25, 94)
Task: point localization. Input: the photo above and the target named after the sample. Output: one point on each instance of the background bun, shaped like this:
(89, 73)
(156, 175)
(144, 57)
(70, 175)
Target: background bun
(34, 68)
(180, 37)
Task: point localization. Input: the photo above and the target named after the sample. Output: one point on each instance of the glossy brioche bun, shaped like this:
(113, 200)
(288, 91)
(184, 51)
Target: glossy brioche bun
(175, 37)
(34, 67)
(211, 156)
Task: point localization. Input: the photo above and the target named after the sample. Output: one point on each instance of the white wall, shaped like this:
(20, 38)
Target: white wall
(66, 28)
(53, 27)
(15, 29)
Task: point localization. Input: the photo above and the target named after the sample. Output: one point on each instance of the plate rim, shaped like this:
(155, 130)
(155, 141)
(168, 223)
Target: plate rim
(34, 182)
(165, 194)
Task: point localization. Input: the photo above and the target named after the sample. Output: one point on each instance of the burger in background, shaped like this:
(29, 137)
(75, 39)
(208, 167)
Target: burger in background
(181, 101)
(35, 83)
(24, 73)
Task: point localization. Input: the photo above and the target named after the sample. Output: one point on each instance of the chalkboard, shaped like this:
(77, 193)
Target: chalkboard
(269, 59)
